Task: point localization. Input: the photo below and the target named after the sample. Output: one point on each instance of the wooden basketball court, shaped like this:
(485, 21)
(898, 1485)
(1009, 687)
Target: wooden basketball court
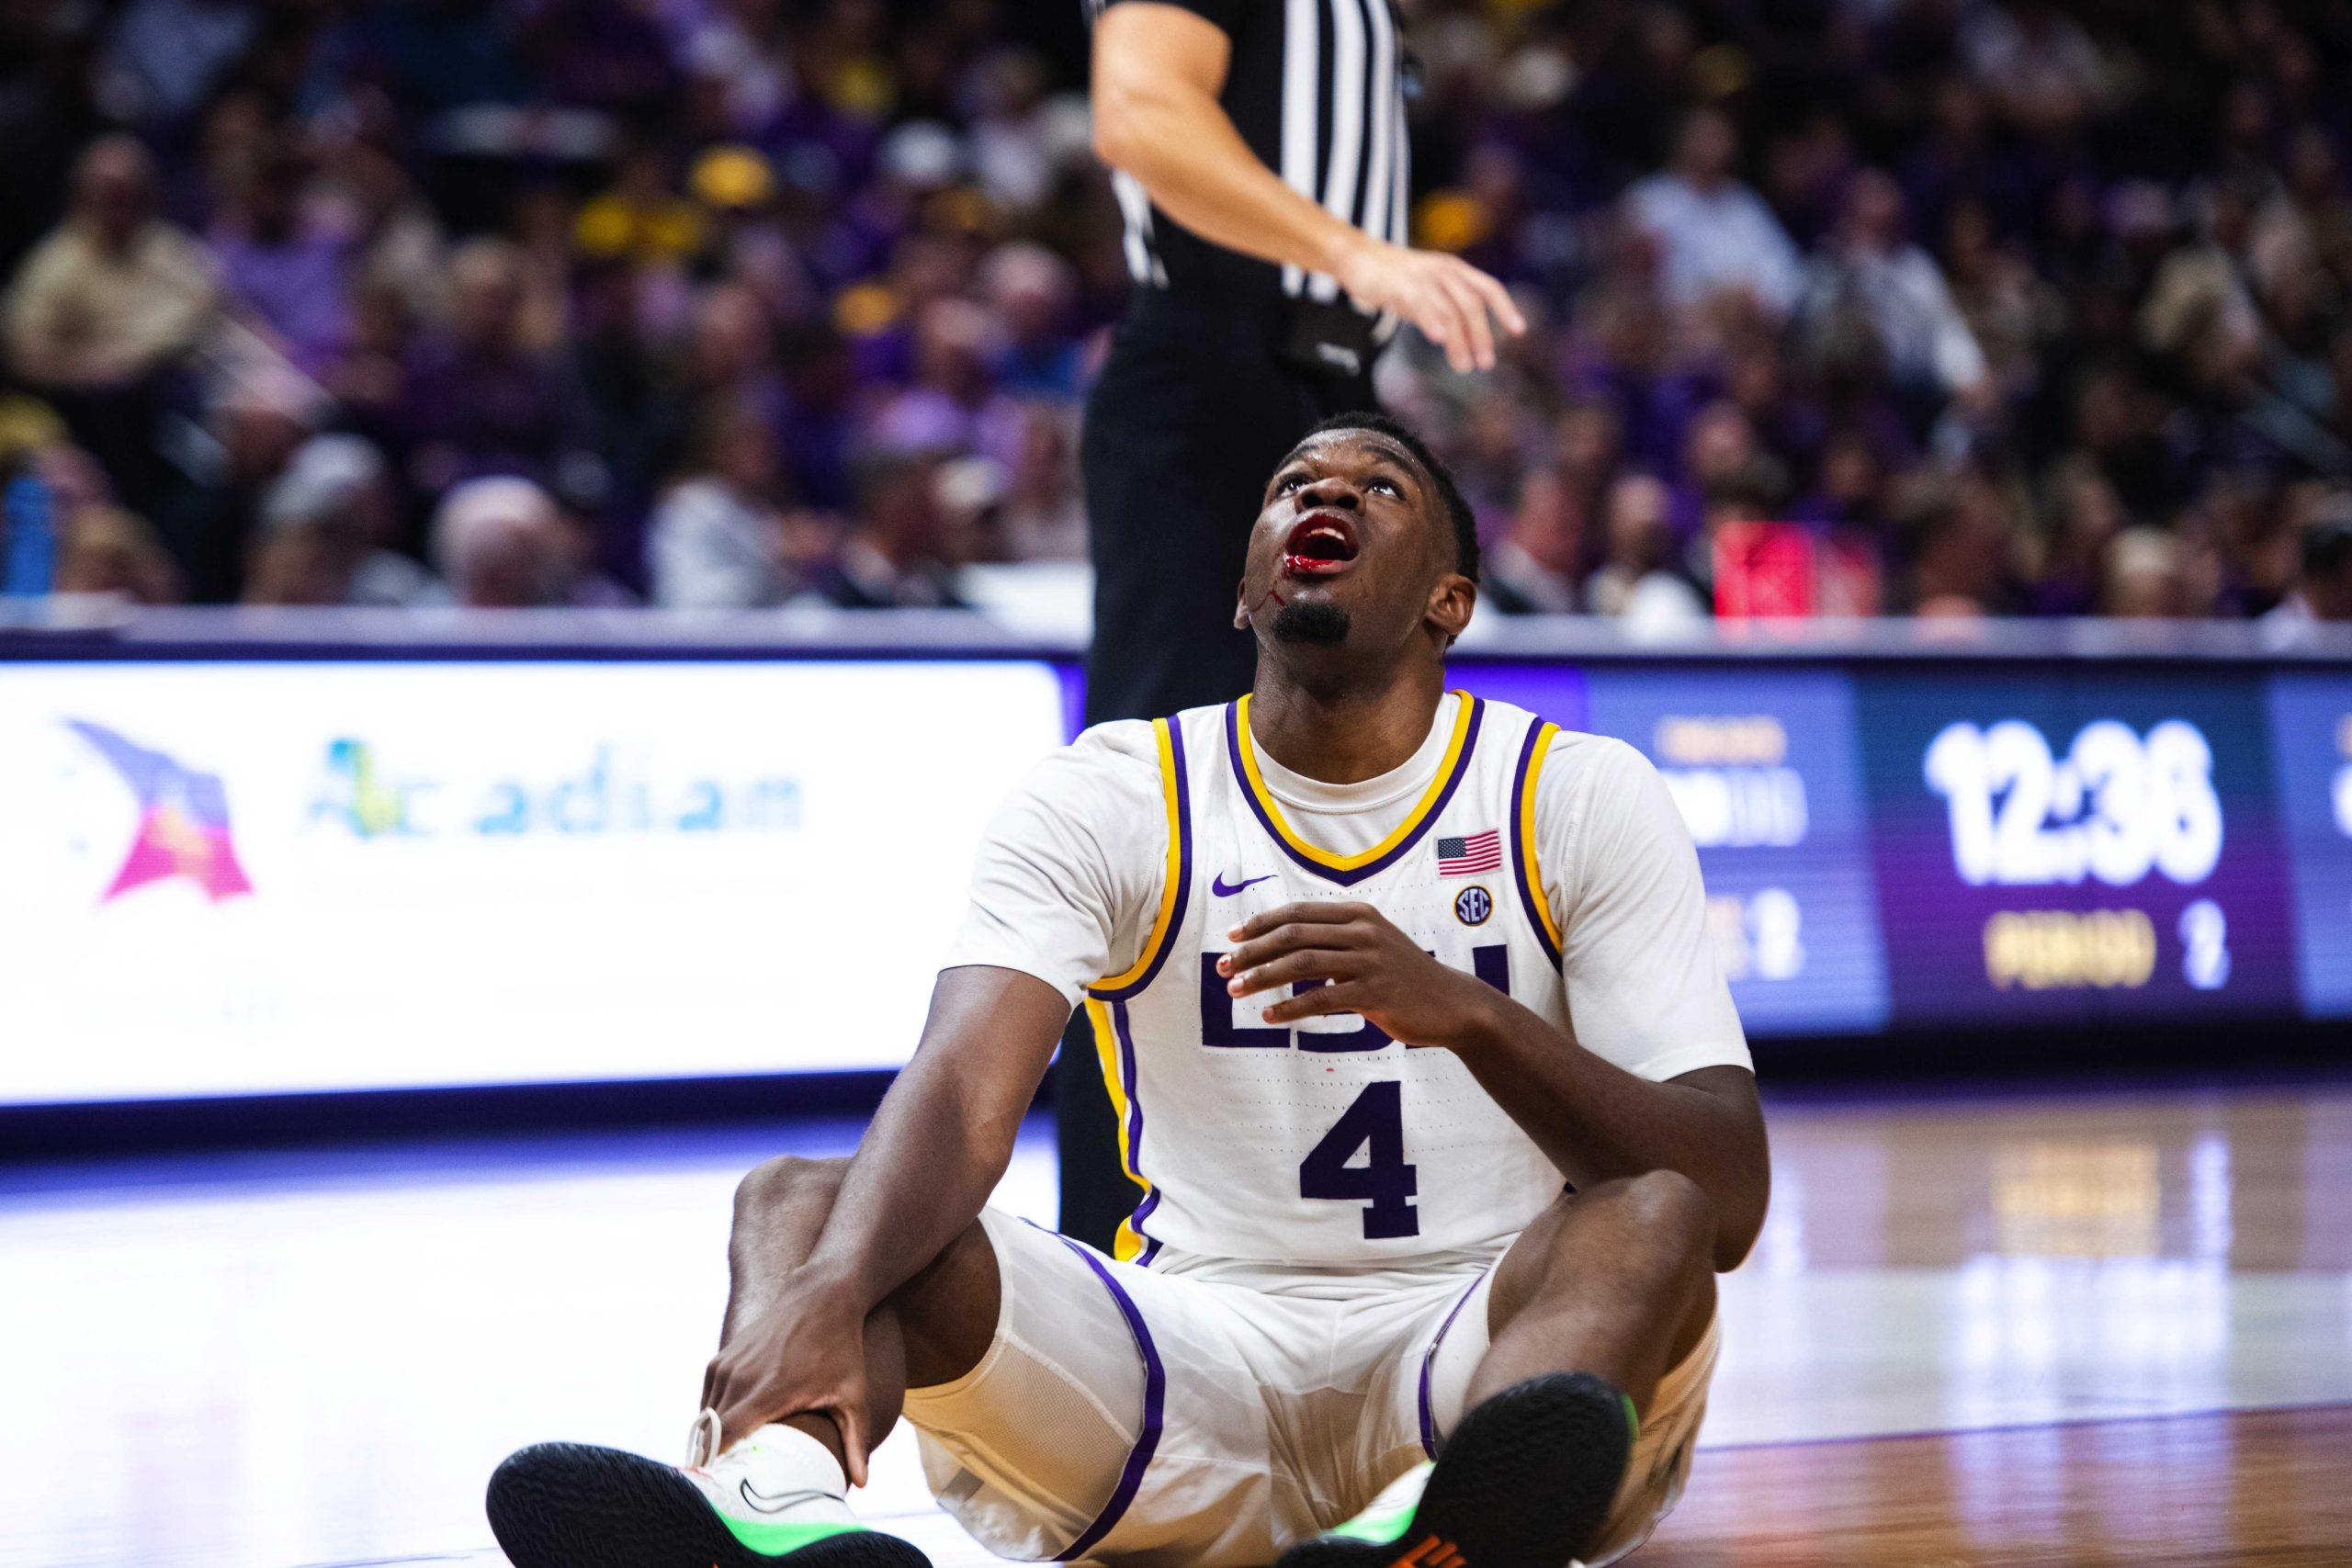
(2047, 1328)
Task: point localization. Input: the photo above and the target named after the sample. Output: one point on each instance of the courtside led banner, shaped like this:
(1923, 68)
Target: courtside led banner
(227, 879)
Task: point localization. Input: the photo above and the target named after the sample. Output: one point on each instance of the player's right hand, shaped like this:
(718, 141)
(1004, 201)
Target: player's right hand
(1456, 306)
(803, 1354)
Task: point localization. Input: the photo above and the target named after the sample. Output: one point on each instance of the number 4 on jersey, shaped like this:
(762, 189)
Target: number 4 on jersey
(1384, 1183)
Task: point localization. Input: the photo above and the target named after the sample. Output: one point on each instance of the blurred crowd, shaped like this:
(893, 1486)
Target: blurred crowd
(1938, 307)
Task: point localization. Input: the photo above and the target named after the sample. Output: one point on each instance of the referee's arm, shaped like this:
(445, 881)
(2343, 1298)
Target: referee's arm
(1159, 70)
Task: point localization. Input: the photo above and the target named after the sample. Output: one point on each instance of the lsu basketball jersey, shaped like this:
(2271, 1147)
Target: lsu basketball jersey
(1324, 1142)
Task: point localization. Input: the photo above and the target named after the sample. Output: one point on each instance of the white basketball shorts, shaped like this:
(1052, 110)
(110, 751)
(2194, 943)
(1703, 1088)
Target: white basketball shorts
(1126, 1415)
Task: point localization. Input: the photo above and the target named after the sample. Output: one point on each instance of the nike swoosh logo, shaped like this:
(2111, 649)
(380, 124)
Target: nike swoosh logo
(777, 1504)
(1218, 886)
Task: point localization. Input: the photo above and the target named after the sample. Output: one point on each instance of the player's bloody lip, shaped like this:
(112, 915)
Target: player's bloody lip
(1322, 543)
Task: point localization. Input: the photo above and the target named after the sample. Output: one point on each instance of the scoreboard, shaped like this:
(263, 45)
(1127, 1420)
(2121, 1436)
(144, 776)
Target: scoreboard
(1898, 845)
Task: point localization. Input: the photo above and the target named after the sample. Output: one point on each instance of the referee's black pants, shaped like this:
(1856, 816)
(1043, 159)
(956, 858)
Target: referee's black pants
(1183, 430)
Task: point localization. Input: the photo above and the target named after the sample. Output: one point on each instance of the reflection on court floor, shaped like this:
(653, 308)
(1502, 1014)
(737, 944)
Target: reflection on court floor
(262, 1361)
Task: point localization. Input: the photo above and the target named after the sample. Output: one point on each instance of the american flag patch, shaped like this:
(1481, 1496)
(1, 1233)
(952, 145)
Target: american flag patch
(1463, 857)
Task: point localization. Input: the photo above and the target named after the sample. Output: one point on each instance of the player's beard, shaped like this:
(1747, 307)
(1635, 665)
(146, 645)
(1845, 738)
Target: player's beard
(1317, 622)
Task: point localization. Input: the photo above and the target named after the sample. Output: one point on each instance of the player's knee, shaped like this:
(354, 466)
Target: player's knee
(772, 1183)
(1668, 1206)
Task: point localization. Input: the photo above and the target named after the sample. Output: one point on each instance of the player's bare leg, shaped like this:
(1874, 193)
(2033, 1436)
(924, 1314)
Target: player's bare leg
(779, 1491)
(1618, 1280)
(1606, 1289)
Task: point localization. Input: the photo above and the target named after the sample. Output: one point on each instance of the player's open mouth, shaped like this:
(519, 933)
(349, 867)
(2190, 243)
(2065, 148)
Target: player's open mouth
(1320, 545)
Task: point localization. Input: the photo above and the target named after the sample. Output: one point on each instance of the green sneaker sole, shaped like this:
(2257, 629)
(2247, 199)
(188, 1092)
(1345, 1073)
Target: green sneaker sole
(1525, 1482)
(572, 1506)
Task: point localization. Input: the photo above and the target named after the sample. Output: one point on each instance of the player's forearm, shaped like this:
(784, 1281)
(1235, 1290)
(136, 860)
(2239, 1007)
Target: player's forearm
(1178, 142)
(922, 1175)
(945, 1132)
(1598, 1122)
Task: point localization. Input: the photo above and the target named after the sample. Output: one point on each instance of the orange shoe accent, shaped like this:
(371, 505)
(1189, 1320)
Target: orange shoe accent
(1431, 1551)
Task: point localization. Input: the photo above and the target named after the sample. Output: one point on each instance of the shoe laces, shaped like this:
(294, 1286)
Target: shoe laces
(702, 1439)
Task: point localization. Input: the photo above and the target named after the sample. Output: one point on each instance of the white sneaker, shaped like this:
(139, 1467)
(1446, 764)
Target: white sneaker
(572, 1506)
(763, 1480)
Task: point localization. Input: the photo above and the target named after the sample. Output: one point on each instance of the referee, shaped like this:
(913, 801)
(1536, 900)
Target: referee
(1258, 148)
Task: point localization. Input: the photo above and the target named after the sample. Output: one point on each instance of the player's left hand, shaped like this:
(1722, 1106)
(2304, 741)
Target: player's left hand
(1368, 967)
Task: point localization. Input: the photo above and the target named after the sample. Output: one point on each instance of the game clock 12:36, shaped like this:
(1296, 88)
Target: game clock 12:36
(2093, 847)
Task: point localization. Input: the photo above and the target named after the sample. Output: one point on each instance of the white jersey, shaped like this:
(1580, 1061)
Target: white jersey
(1550, 865)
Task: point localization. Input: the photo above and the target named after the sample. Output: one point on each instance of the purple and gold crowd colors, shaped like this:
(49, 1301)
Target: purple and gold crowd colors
(235, 877)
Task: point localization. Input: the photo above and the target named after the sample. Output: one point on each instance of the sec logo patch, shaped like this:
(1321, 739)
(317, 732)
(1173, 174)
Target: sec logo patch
(1472, 906)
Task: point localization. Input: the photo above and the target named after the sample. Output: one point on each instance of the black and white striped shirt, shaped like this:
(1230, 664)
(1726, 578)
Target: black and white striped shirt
(1315, 87)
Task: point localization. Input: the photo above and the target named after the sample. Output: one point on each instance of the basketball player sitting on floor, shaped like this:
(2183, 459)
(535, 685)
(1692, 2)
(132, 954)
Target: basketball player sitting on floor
(1441, 1112)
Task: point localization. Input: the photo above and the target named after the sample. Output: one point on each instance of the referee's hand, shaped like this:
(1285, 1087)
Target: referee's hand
(1457, 307)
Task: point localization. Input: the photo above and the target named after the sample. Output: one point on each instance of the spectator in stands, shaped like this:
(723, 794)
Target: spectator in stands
(112, 299)
(900, 552)
(954, 398)
(1959, 547)
(1634, 583)
(1712, 234)
(2087, 517)
(730, 361)
(2146, 576)
(1533, 569)
(257, 422)
(641, 217)
(725, 538)
(1588, 452)
(1044, 512)
(499, 544)
(2037, 62)
(114, 294)
(325, 526)
(2013, 315)
(289, 276)
(1720, 451)
(477, 399)
(883, 229)
(394, 245)
(1030, 288)
(1869, 270)
(105, 549)
(2322, 590)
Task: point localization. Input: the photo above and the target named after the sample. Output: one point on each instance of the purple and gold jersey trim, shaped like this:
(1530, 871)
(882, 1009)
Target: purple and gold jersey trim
(1176, 794)
(1115, 1047)
(1349, 870)
(1525, 870)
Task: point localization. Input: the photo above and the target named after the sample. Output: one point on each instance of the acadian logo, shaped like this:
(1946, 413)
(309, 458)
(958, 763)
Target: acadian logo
(617, 791)
(183, 819)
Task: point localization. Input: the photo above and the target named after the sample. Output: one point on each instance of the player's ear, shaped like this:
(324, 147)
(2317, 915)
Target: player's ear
(1451, 603)
(1241, 607)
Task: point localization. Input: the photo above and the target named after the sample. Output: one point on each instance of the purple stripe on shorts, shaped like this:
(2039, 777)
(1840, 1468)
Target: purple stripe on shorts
(1155, 1401)
(1429, 1368)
